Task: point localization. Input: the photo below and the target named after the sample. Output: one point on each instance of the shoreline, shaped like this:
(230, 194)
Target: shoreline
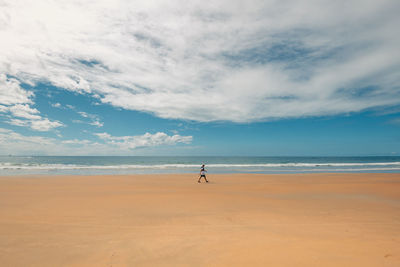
(170, 220)
(38, 175)
(131, 165)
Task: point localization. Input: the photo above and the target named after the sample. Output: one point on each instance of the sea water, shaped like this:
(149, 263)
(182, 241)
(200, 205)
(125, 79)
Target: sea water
(90, 165)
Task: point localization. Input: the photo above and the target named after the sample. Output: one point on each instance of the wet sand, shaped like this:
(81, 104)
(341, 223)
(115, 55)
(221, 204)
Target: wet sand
(171, 220)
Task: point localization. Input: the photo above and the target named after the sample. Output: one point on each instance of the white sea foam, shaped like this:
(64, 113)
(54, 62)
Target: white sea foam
(319, 166)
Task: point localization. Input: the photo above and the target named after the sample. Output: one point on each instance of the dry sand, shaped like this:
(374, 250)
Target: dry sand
(170, 220)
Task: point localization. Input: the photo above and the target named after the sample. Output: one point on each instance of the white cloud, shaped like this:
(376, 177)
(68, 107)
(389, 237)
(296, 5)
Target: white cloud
(76, 142)
(222, 60)
(11, 92)
(3, 108)
(29, 117)
(146, 140)
(97, 123)
(24, 111)
(56, 105)
(95, 120)
(18, 122)
(42, 124)
(12, 143)
(83, 114)
(104, 136)
(15, 143)
(17, 101)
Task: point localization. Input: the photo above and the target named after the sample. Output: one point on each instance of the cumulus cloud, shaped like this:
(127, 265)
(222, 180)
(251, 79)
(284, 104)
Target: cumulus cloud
(206, 61)
(24, 111)
(28, 117)
(16, 101)
(11, 92)
(146, 140)
(42, 124)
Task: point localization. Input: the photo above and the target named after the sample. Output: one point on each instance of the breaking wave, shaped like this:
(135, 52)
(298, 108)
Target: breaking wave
(347, 166)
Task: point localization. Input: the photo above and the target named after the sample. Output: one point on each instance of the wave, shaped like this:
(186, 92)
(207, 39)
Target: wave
(32, 166)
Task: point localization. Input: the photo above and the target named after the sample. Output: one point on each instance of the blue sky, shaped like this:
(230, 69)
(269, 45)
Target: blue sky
(260, 78)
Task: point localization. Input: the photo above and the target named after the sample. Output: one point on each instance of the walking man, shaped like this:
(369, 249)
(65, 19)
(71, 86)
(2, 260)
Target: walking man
(202, 173)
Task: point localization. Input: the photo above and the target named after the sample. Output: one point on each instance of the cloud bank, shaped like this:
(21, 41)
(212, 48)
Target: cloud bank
(146, 140)
(239, 61)
(12, 142)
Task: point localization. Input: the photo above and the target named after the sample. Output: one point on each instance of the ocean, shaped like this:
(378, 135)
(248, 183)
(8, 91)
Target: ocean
(92, 165)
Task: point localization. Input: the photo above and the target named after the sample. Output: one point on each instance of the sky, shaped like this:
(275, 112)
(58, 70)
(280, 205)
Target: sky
(240, 78)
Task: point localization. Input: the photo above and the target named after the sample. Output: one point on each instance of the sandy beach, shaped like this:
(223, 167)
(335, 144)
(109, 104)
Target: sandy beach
(171, 220)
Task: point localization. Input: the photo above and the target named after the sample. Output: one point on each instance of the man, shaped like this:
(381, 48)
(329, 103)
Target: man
(202, 173)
